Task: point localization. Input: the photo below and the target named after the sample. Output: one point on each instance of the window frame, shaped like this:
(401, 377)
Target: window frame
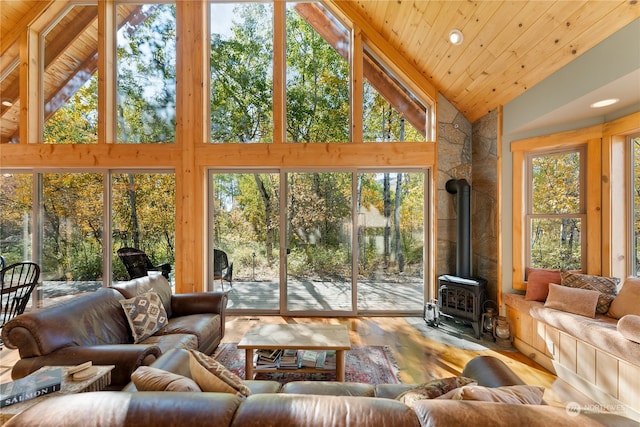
(588, 139)
(530, 216)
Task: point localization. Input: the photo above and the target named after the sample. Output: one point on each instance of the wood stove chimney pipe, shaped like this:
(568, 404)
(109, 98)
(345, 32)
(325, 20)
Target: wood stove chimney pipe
(463, 246)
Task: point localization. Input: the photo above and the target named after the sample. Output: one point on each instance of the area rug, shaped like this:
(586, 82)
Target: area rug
(363, 364)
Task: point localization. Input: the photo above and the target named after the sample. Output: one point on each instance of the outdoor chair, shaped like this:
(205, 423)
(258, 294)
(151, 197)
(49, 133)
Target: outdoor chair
(221, 268)
(17, 282)
(138, 263)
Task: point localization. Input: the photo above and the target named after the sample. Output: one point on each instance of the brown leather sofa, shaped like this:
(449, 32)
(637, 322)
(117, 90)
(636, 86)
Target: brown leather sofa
(94, 327)
(303, 403)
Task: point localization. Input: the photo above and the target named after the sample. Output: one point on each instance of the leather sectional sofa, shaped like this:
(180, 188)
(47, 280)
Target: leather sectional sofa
(301, 404)
(94, 327)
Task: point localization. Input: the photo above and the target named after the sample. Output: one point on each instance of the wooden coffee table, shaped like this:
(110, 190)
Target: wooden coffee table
(296, 337)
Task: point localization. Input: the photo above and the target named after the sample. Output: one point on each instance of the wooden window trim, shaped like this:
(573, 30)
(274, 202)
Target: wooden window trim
(522, 151)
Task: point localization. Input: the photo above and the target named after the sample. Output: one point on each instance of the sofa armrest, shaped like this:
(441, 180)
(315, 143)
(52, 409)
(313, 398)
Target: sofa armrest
(126, 358)
(490, 371)
(198, 302)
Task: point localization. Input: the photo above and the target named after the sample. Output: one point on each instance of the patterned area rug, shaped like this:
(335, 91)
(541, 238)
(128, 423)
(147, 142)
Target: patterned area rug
(363, 364)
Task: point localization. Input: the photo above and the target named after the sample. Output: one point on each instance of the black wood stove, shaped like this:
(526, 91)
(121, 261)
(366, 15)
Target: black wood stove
(461, 296)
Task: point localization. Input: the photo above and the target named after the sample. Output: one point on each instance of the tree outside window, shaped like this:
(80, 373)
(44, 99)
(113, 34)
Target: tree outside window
(555, 213)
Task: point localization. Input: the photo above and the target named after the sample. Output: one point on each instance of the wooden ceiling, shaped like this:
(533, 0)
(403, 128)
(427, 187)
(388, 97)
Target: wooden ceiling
(508, 47)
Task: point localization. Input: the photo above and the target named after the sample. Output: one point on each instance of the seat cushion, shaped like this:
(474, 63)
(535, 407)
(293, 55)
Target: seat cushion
(167, 342)
(329, 388)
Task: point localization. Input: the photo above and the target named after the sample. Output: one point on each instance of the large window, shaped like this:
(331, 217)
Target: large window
(557, 204)
(317, 75)
(71, 233)
(71, 78)
(241, 72)
(390, 111)
(16, 195)
(555, 210)
(295, 254)
(146, 67)
(143, 216)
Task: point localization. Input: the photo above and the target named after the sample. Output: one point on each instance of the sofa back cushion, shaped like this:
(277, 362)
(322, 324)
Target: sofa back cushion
(281, 409)
(94, 318)
(155, 282)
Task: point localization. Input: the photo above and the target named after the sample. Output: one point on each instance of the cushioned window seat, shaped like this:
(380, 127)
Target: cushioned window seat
(588, 353)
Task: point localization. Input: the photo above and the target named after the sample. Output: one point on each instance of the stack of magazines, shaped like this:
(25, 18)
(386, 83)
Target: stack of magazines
(289, 359)
(267, 358)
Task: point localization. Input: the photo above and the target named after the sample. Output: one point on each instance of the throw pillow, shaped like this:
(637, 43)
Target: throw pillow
(629, 327)
(572, 300)
(538, 280)
(433, 389)
(147, 378)
(607, 286)
(210, 375)
(516, 394)
(145, 315)
(628, 300)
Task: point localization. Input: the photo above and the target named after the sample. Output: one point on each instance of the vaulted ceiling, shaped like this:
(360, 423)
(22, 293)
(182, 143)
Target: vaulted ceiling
(508, 47)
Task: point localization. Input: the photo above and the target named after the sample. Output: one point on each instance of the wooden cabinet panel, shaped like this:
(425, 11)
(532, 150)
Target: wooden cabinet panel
(567, 354)
(586, 361)
(607, 373)
(552, 340)
(628, 389)
(540, 336)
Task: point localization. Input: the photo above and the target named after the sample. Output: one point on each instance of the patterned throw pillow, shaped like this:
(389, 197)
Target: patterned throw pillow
(433, 389)
(210, 375)
(607, 286)
(145, 315)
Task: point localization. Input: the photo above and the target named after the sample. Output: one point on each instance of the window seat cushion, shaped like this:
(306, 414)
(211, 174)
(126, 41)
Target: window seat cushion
(600, 331)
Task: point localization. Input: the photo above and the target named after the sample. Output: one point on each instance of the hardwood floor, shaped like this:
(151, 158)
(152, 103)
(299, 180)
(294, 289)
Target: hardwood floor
(419, 358)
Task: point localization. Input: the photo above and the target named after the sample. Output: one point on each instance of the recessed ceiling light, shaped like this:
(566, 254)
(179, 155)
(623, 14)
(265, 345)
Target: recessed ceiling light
(456, 37)
(7, 102)
(604, 103)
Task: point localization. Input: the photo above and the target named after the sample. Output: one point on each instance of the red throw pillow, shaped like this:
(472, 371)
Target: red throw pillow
(538, 280)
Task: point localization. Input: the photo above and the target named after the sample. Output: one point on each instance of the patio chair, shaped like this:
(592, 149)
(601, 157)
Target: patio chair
(221, 268)
(17, 282)
(138, 263)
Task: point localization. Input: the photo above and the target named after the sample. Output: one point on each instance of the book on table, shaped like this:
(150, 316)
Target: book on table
(289, 359)
(330, 360)
(32, 386)
(267, 359)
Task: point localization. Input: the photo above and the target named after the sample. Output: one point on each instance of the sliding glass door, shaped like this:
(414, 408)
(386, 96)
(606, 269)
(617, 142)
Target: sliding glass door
(294, 254)
(319, 250)
(244, 225)
(391, 212)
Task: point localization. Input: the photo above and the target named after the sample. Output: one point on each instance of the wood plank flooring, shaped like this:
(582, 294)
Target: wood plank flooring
(421, 358)
(419, 355)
